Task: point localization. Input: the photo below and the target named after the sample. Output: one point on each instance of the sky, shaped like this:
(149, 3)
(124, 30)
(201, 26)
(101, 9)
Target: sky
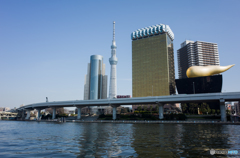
(45, 46)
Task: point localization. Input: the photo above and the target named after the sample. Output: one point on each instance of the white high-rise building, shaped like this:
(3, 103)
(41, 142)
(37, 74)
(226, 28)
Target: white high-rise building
(113, 72)
(196, 54)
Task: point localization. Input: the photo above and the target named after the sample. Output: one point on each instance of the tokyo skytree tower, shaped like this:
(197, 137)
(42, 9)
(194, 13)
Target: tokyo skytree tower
(113, 73)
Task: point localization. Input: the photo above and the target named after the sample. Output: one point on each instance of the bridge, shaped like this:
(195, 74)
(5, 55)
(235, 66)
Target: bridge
(159, 100)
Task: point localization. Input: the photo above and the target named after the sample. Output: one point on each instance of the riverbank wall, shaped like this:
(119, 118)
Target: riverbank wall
(139, 122)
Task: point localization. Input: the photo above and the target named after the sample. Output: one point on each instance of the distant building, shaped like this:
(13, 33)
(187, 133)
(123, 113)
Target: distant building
(95, 85)
(196, 54)
(7, 109)
(237, 107)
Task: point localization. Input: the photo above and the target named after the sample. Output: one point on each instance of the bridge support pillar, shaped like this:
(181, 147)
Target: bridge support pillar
(160, 110)
(54, 112)
(79, 113)
(28, 115)
(223, 110)
(114, 113)
(23, 114)
(39, 114)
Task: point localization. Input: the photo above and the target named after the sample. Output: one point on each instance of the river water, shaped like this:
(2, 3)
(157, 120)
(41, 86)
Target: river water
(49, 139)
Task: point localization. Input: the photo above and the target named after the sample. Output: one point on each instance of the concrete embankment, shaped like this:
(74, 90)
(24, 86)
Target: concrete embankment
(139, 122)
(155, 122)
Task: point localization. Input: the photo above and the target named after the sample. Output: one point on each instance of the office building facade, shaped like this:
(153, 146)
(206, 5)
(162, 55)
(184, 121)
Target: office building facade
(196, 54)
(95, 85)
(153, 72)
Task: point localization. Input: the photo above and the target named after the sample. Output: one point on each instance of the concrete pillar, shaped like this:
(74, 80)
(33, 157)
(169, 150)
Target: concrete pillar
(223, 110)
(28, 115)
(22, 114)
(114, 113)
(54, 113)
(39, 114)
(79, 113)
(160, 105)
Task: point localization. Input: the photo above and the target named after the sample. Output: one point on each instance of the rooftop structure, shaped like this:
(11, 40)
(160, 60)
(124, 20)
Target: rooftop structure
(151, 31)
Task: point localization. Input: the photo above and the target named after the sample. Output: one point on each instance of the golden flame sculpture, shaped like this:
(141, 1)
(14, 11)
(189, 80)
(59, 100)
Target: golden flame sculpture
(201, 71)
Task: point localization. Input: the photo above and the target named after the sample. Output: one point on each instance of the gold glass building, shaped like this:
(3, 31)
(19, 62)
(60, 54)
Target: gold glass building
(153, 72)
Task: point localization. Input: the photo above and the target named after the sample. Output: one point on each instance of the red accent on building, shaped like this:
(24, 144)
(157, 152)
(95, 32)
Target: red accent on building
(123, 96)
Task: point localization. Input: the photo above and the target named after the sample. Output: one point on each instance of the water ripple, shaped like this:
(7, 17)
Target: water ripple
(44, 139)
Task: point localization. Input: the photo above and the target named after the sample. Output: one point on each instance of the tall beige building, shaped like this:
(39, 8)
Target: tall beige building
(153, 71)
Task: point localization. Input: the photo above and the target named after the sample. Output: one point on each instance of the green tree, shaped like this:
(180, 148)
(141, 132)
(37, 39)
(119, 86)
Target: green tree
(193, 107)
(218, 111)
(139, 108)
(228, 111)
(208, 110)
(184, 107)
(157, 108)
(145, 108)
(213, 111)
(204, 110)
(150, 108)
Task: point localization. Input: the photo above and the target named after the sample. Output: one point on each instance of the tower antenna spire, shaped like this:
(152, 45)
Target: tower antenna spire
(113, 30)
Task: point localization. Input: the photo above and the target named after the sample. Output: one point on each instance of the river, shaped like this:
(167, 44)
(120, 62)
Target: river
(48, 139)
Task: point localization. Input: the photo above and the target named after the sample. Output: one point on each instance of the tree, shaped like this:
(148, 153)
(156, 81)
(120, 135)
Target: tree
(218, 111)
(139, 108)
(213, 111)
(157, 108)
(208, 110)
(150, 108)
(145, 108)
(204, 107)
(193, 107)
(204, 110)
(60, 111)
(228, 111)
(184, 107)
(124, 110)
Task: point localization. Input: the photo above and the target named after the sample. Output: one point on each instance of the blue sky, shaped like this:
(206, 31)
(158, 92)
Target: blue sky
(45, 45)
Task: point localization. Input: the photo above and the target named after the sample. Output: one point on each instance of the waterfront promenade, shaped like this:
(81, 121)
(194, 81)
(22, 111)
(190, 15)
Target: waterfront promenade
(144, 121)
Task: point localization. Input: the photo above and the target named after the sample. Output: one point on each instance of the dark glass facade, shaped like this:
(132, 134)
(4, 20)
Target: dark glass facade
(183, 62)
(208, 84)
(153, 71)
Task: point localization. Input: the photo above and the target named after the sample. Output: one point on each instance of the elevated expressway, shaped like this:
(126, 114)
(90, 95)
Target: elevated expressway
(160, 100)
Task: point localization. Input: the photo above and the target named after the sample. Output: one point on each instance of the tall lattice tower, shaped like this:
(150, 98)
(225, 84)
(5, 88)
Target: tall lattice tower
(113, 62)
